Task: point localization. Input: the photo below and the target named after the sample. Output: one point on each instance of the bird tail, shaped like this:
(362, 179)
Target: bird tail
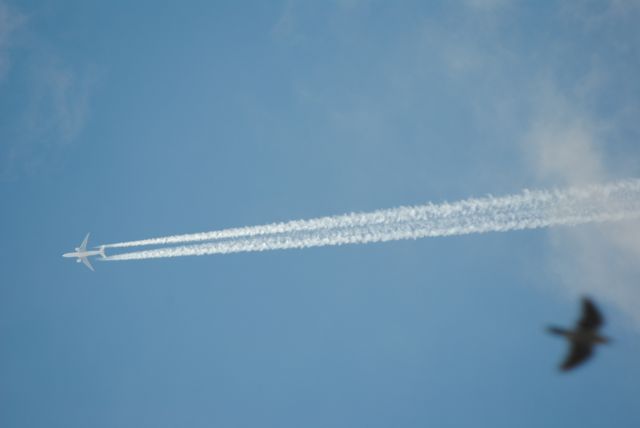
(557, 330)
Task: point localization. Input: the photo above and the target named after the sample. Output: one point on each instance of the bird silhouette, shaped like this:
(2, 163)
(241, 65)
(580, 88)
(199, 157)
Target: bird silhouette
(583, 337)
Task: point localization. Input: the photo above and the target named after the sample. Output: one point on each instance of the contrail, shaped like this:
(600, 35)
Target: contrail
(352, 219)
(345, 220)
(527, 210)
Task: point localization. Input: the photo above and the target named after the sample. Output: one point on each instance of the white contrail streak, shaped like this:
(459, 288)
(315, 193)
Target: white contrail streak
(527, 210)
(345, 220)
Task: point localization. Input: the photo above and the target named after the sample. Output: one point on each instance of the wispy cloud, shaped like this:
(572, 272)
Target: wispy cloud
(487, 4)
(560, 110)
(561, 139)
(570, 113)
(10, 21)
(557, 103)
(285, 24)
(51, 109)
(60, 100)
(568, 145)
(569, 139)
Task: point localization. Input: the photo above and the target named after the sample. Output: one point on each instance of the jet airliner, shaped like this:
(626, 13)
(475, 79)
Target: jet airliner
(81, 253)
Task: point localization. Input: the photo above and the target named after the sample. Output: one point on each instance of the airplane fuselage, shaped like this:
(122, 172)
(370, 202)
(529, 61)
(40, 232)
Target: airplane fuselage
(81, 254)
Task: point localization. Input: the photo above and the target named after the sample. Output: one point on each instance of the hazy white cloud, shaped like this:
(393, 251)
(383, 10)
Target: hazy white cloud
(351, 4)
(605, 13)
(487, 4)
(60, 100)
(601, 260)
(563, 107)
(52, 109)
(10, 21)
(561, 140)
(566, 136)
(567, 142)
(53, 117)
(285, 24)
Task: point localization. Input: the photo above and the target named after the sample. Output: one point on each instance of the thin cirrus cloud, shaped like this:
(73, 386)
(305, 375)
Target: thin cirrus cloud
(569, 114)
(571, 139)
(558, 99)
(487, 4)
(48, 98)
(10, 22)
(572, 113)
(570, 146)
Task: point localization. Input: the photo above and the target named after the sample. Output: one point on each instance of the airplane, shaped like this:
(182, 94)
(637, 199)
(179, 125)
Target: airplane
(82, 253)
(583, 338)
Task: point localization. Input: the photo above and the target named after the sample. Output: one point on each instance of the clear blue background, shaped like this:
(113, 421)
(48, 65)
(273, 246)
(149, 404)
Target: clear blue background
(141, 119)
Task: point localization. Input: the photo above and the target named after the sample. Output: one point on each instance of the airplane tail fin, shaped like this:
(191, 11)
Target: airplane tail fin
(102, 251)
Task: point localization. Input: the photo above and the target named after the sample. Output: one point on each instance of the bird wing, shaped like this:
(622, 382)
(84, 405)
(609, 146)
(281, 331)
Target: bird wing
(591, 318)
(578, 353)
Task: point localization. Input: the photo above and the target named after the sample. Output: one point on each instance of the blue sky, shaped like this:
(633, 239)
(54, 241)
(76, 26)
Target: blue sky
(157, 118)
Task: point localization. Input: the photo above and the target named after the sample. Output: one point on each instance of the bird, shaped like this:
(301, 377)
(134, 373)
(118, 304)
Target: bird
(583, 337)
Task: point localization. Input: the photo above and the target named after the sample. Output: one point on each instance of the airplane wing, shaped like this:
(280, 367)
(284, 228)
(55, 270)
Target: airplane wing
(83, 246)
(86, 263)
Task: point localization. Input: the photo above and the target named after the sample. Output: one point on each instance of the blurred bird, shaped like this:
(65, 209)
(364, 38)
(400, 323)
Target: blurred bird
(583, 337)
